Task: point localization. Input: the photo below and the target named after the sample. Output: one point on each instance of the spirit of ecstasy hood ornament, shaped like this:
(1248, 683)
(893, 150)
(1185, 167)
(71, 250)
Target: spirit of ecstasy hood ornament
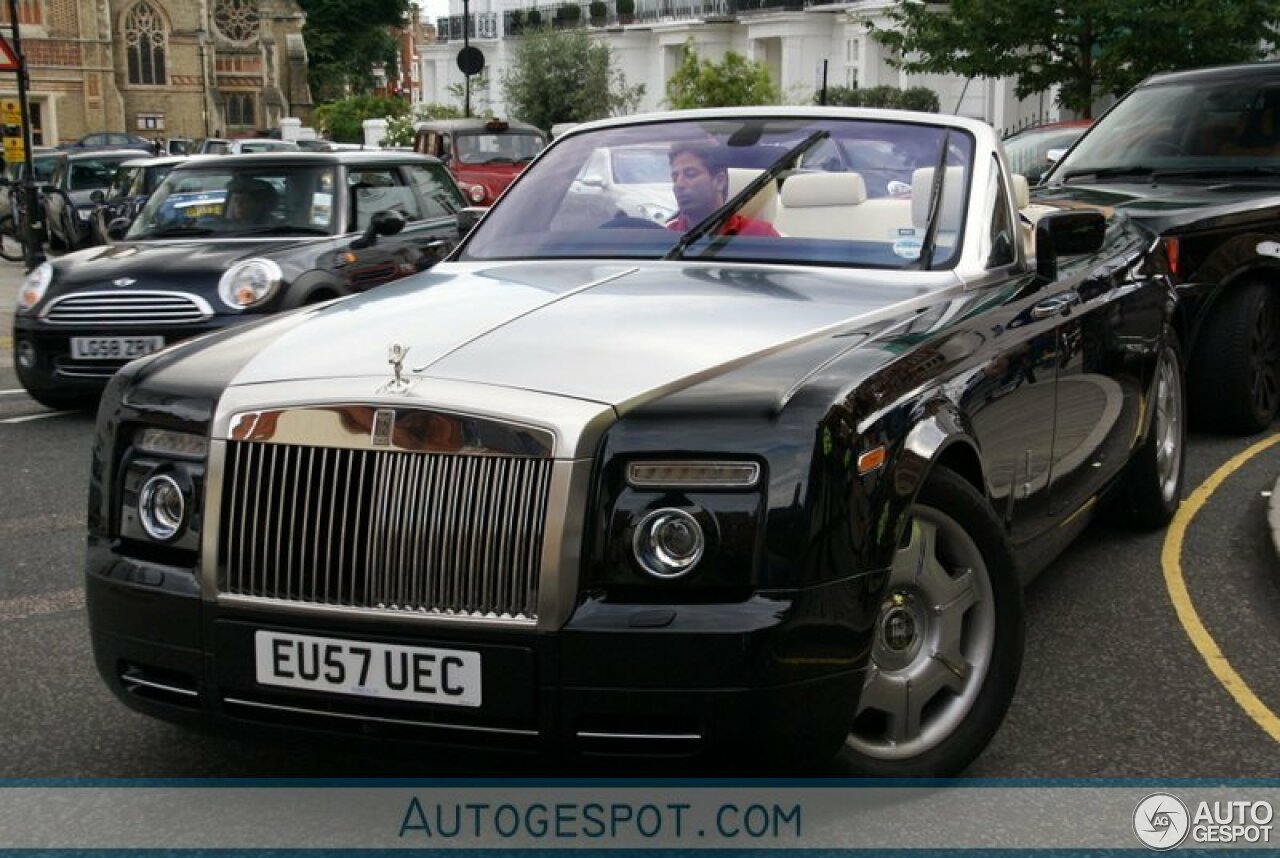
(399, 383)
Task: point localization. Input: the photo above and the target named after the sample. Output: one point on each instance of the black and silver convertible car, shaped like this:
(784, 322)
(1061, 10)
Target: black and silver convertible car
(224, 241)
(766, 482)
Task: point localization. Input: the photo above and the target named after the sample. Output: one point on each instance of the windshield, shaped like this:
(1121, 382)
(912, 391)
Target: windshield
(240, 200)
(93, 173)
(1232, 125)
(497, 147)
(816, 210)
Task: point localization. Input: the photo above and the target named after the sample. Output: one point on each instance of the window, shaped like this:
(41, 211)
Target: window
(241, 110)
(435, 188)
(237, 20)
(1001, 234)
(145, 44)
(376, 189)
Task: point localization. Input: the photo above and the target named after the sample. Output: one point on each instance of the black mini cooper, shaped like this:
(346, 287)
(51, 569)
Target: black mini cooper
(222, 242)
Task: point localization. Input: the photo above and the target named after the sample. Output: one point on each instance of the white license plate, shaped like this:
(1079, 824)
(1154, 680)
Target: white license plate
(114, 348)
(422, 674)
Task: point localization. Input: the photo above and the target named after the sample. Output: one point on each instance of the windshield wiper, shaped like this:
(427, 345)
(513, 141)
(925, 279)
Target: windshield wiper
(721, 215)
(925, 261)
(1107, 172)
(171, 231)
(498, 159)
(283, 229)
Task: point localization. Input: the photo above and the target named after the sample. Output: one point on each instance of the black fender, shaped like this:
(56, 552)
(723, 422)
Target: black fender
(304, 289)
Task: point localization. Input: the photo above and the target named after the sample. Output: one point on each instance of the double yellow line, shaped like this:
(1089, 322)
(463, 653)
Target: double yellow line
(1171, 561)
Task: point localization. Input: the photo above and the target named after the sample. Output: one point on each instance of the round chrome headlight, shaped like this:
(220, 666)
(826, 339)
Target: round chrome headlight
(478, 193)
(34, 286)
(668, 543)
(162, 507)
(249, 283)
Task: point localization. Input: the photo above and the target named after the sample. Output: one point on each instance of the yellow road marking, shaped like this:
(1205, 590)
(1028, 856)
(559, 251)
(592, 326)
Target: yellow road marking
(1171, 561)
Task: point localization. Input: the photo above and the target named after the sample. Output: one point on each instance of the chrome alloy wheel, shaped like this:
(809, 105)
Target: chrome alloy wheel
(934, 639)
(1168, 425)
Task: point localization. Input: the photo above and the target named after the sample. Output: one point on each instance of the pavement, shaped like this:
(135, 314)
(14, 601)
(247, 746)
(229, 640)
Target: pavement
(1273, 516)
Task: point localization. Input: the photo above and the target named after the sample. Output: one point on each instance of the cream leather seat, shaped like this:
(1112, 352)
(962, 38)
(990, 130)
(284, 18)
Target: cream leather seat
(821, 205)
(764, 205)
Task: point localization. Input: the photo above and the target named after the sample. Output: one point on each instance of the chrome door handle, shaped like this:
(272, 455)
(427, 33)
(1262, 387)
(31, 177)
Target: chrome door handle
(1057, 305)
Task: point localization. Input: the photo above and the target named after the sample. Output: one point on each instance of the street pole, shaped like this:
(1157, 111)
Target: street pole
(466, 43)
(33, 256)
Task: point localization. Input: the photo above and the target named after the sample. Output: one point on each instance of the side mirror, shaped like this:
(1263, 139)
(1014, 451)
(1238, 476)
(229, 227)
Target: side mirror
(97, 197)
(1067, 233)
(468, 218)
(1053, 156)
(386, 222)
(592, 181)
(117, 228)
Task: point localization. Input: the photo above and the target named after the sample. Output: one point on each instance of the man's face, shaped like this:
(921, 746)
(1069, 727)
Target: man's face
(239, 206)
(698, 191)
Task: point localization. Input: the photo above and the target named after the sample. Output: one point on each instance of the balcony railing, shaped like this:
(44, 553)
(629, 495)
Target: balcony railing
(514, 21)
(483, 25)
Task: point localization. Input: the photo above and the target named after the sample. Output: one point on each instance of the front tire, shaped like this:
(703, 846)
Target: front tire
(1235, 377)
(1149, 493)
(948, 642)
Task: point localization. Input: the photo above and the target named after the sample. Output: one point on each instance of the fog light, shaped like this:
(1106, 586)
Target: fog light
(26, 354)
(668, 543)
(162, 507)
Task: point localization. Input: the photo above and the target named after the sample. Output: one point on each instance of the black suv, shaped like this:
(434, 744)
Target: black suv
(223, 241)
(1196, 156)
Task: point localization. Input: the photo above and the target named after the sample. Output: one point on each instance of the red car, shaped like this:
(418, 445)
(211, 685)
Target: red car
(484, 155)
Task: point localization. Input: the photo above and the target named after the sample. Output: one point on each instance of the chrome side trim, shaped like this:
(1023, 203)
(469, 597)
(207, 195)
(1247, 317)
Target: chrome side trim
(346, 612)
(324, 713)
(211, 521)
(657, 737)
(157, 686)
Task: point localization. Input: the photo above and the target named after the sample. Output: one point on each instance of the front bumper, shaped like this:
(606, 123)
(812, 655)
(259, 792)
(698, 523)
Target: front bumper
(44, 363)
(765, 677)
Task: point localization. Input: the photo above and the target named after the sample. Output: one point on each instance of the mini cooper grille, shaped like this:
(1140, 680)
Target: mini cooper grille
(127, 308)
(419, 533)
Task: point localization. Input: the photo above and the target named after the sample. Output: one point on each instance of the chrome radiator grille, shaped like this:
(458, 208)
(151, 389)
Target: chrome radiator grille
(401, 532)
(127, 308)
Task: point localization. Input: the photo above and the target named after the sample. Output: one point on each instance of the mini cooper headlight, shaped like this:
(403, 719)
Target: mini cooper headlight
(668, 543)
(249, 283)
(162, 507)
(478, 193)
(656, 212)
(34, 286)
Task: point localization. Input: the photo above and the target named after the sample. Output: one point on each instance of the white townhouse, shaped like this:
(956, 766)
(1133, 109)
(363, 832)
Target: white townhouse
(793, 38)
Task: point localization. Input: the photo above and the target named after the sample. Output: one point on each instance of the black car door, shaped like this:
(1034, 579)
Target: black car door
(376, 259)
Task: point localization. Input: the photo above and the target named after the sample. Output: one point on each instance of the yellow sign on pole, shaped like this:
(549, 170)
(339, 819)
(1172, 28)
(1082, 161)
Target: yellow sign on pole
(13, 150)
(10, 112)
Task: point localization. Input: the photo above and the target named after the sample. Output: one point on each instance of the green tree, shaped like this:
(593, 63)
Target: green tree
(914, 98)
(1087, 48)
(345, 38)
(342, 120)
(565, 76)
(735, 81)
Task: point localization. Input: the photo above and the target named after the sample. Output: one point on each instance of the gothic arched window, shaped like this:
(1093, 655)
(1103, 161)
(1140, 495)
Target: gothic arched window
(237, 20)
(145, 44)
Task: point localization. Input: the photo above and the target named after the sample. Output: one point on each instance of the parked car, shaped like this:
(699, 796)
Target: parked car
(1194, 155)
(68, 196)
(178, 146)
(1032, 151)
(249, 145)
(133, 183)
(109, 140)
(484, 155)
(303, 228)
(211, 146)
(635, 180)
(614, 489)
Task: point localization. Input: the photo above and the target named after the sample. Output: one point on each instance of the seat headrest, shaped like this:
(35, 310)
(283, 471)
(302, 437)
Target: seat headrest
(764, 205)
(1021, 191)
(952, 198)
(813, 190)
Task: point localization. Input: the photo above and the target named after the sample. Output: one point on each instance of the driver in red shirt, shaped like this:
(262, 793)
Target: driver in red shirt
(700, 180)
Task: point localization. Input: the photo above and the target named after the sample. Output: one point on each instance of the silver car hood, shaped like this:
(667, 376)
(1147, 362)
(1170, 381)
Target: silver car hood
(608, 336)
